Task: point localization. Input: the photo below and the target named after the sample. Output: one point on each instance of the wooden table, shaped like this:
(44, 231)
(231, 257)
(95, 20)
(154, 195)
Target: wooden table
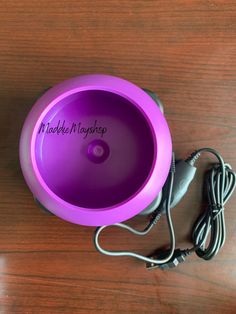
(183, 50)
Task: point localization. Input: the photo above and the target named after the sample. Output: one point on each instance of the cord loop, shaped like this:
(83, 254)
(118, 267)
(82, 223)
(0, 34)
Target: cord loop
(216, 210)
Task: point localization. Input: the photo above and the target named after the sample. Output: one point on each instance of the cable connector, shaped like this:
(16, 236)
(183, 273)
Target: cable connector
(155, 218)
(177, 258)
(193, 157)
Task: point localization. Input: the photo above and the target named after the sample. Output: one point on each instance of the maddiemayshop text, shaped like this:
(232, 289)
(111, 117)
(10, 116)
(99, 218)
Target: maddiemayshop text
(65, 129)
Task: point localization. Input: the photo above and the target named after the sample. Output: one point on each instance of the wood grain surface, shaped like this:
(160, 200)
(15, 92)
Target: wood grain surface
(183, 50)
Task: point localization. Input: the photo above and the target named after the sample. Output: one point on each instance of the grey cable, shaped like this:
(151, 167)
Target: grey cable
(220, 182)
(145, 231)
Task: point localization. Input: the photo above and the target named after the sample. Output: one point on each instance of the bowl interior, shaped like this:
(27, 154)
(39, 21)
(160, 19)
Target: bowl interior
(95, 149)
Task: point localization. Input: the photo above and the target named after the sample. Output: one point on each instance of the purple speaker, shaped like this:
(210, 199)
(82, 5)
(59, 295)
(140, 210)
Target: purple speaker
(95, 150)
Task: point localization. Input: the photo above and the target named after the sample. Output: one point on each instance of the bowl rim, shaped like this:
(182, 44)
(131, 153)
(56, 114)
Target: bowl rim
(158, 171)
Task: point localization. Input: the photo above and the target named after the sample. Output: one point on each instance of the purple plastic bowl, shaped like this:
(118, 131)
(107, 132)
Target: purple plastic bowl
(112, 162)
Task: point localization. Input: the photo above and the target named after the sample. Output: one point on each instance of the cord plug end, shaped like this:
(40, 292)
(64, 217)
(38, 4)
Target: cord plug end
(193, 158)
(177, 258)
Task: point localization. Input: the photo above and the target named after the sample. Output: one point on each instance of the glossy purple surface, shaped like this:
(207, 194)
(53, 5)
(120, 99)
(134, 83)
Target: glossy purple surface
(111, 165)
(97, 171)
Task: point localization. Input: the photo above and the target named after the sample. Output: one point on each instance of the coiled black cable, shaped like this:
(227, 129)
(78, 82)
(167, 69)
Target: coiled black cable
(209, 231)
(219, 184)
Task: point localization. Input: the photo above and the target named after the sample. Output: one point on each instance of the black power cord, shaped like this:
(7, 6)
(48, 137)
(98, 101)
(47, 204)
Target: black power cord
(155, 217)
(209, 231)
(219, 185)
